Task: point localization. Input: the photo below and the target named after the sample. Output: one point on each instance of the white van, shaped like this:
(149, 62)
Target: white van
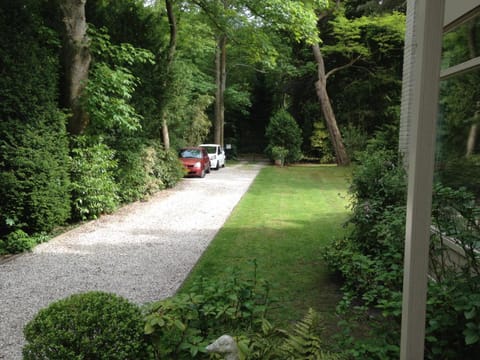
(216, 155)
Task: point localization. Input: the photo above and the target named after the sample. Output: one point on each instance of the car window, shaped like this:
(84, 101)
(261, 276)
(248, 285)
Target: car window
(210, 149)
(191, 153)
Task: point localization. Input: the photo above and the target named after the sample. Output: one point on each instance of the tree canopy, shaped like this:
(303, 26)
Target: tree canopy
(124, 83)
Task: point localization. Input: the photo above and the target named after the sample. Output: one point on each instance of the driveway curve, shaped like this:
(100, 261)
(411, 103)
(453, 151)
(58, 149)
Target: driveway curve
(143, 252)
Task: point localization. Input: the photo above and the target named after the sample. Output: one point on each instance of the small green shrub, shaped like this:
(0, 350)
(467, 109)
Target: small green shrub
(93, 325)
(283, 130)
(19, 241)
(355, 141)
(321, 143)
(180, 327)
(94, 190)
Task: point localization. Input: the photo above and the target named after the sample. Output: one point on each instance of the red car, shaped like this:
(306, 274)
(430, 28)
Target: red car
(195, 160)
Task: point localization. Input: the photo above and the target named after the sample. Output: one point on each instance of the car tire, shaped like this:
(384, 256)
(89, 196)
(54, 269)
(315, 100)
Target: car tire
(218, 165)
(208, 170)
(202, 174)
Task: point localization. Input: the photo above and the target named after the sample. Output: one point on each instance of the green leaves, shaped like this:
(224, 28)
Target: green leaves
(180, 327)
(111, 84)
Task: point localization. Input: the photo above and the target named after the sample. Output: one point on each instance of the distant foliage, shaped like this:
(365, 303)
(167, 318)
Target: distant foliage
(94, 191)
(93, 325)
(34, 163)
(168, 168)
(355, 140)
(283, 130)
(320, 142)
(144, 169)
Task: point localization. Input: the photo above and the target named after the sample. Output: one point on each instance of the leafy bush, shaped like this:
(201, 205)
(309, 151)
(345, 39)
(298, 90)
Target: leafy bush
(370, 257)
(370, 261)
(283, 130)
(94, 190)
(378, 186)
(321, 143)
(93, 325)
(355, 141)
(180, 327)
(146, 169)
(19, 241)
(168, 169)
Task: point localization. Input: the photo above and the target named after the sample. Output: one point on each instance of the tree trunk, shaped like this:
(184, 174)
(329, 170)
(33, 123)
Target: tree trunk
(329, 115)
(76, 61)
(472, 139)
(172, 22)
(220, 82)
(472, 134)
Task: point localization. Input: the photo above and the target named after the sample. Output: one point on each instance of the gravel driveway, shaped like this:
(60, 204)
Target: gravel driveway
(143, 252)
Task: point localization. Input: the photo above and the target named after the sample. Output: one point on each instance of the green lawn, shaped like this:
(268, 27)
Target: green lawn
(288, 215)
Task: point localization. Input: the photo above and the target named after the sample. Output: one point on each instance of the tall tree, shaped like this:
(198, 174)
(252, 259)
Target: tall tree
(76, 61)
(328, 113)
(172, 46)
(348, 42)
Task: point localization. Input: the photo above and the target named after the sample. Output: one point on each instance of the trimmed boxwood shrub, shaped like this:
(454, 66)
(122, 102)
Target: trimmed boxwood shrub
(93, 325)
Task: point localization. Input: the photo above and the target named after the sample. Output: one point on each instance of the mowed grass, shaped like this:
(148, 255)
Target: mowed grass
(283, 222)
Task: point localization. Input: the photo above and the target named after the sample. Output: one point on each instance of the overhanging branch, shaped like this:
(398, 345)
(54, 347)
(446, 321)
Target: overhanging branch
(333, 71)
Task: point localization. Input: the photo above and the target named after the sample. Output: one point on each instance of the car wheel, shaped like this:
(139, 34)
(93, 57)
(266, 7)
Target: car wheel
(218, 165)
(202, 174)
(208, 170)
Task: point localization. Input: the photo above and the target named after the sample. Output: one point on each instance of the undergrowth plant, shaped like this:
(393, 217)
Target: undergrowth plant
(180, 327)
(94, 191)
(370, 262)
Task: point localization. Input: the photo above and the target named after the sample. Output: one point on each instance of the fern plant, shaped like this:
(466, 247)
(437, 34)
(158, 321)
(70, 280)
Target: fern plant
(301, 343)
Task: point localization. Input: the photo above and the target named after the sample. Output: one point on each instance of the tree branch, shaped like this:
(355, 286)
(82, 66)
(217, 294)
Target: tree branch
(333, 71)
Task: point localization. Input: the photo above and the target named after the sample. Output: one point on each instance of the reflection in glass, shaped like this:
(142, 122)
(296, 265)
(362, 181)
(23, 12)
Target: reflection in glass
(456, 199)
(462, 43)
(458, 145)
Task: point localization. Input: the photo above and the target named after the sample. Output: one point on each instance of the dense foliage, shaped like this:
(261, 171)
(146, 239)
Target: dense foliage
(151, 88)
(370, 262)
(34, 163)
(93, 325)
(97, 325)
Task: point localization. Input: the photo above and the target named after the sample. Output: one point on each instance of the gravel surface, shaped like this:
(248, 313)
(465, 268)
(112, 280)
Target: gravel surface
(142, 252)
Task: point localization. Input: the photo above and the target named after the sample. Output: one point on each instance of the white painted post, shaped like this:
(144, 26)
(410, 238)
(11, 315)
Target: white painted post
(429, 24)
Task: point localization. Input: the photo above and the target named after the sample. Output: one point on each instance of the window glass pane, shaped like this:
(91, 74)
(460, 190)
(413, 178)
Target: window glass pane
(462, 43)
(456, 200)
(458, 144)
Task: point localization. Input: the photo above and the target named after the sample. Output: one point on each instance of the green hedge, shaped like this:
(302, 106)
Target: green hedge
(34, 163)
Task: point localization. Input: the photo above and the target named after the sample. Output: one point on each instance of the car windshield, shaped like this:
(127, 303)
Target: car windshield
(191, 153)
(210, 149)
